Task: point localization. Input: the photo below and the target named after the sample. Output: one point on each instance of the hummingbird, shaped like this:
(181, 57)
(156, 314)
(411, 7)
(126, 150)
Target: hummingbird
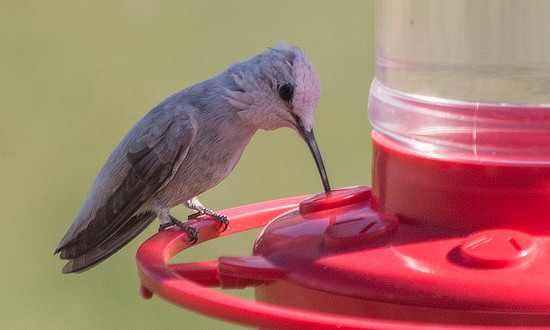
(188, 144)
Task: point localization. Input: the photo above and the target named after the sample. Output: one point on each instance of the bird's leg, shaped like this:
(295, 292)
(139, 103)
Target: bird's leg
(192, 232)
(195, 204)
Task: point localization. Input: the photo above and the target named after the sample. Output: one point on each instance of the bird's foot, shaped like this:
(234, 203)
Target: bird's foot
(192, 232)
(223, 220)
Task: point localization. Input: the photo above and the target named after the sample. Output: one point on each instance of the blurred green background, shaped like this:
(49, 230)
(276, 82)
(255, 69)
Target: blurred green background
(75, 77)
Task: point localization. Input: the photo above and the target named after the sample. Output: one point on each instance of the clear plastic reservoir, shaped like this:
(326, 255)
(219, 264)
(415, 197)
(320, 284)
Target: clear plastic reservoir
(464, 79)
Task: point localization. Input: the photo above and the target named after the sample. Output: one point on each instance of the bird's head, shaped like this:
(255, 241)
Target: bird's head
(278, 88)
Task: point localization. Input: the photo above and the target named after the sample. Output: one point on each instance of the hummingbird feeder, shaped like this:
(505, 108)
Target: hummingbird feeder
(454, 232)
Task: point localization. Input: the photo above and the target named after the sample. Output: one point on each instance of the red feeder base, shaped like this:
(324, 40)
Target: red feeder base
(335, 262)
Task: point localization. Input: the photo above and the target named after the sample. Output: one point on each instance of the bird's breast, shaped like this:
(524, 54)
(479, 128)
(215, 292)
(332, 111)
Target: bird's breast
(206, 164)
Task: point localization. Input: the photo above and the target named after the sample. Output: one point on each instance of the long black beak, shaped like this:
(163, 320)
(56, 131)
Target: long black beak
(312, 144)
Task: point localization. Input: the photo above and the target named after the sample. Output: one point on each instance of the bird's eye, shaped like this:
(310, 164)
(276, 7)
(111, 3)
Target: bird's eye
(286, 92)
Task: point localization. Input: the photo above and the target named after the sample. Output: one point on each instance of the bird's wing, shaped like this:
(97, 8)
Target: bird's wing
(154, 149)
(133, 227)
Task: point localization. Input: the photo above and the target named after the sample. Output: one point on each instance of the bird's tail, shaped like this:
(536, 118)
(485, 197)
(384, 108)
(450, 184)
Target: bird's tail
(106, 248)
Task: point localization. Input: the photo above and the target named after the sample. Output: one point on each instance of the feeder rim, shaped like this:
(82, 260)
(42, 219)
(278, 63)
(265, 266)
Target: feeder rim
(160, 278)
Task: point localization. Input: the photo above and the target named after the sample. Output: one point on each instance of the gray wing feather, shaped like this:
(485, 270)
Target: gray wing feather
(151, 153)
(133, 227)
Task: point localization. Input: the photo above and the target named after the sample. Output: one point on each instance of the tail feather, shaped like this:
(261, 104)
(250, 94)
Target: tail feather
(86, 233)
(106, 248)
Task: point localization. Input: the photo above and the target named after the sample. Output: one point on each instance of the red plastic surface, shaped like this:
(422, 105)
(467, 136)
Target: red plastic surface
(498, 248)
(404, 271)
(320, 268)
(460, 194)
(184, 284)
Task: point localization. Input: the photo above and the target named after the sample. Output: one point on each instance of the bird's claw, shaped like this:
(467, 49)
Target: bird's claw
(192, 232)
(222, 219)
(224, 222)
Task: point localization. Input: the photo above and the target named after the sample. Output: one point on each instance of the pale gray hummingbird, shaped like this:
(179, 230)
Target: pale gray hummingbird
(188, 144)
